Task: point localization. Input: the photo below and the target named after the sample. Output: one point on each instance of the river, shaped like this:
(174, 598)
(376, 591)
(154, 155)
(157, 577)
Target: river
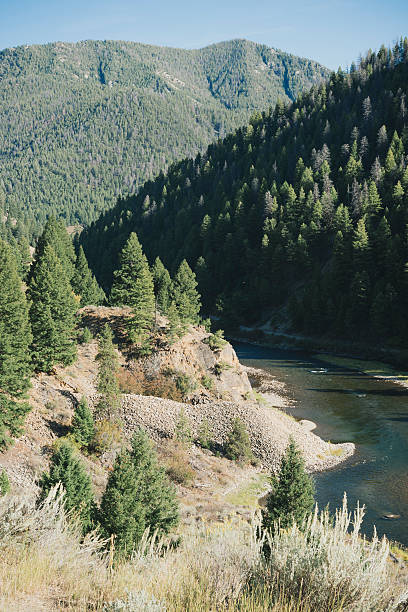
(349, 406)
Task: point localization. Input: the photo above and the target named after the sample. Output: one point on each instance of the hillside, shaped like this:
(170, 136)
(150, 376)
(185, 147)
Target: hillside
(54, 396)
(298, 219)
(81, 124)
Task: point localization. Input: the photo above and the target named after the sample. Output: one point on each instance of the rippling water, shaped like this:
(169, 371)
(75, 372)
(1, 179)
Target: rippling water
(350, 407)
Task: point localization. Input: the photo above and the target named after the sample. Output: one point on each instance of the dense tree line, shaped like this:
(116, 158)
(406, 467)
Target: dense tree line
(305, 207)
(82, 123)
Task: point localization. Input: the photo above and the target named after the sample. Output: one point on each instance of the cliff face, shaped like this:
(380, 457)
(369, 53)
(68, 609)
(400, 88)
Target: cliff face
(191, 355)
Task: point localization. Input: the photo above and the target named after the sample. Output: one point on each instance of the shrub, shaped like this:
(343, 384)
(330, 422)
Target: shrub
(135, 602)
(207, 382)
(4, 483)
(216, 341)
(327, 564)
(177, 464)
(131, 382)
(220, 366)
(185, 384)
(204, 434)
(85, 336)
(182, 431)
(108, 436)
(238, 447)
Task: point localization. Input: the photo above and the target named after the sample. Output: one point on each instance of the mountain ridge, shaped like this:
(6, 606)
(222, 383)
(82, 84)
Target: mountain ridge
(83, 123)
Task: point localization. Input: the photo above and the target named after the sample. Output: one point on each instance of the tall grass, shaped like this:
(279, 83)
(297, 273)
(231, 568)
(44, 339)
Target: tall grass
(45, 564)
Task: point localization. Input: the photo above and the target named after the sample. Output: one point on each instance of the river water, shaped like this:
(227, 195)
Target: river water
(349, 406)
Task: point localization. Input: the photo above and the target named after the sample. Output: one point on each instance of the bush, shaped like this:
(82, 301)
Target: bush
(204, 434)
(135, 602)
(329, 565)
(182, 431)
(131, 382)
(85, 336)
(4, 484)
(207, 382)
(177, 464)
(108, 436)
(216, 341)
(185, 384)
(162, 385)
(220, 366)
(238, 447)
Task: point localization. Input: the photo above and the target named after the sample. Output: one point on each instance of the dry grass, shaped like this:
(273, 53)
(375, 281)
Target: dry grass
(135, 382)
(44, 565)
(176, 460)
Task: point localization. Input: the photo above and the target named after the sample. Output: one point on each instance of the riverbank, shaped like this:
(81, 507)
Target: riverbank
(273, 398)
(394, 359)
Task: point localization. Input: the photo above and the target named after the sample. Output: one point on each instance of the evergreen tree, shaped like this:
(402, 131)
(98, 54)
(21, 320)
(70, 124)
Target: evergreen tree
(84, 283)
(12, 415)
(56, 236)
(185, 294)
(67, 469)
(15, 329)
(133, 286)
(107, 382)
(162, 286)
(122, 512)
(83, 428)
(292, 494)
(52, 313)
(154, 491)
(174, 328)
(4, 483)
(238, 446)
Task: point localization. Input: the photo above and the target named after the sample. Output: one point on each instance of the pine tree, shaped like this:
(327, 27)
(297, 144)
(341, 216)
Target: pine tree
(154, 491)
(292, 494)
(185, 294)
(174, 328)
(56, 235)
(107, 382)
(52, 313)
(67, 469)
(133, 286)
(122, 513)
(15, 329)
(12, 415)
(83, 428)
(162, 286)
(238, 446)
(84, 283)
(4, 483)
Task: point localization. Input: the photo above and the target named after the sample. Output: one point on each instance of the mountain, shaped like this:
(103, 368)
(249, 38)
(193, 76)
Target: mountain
(82, 123)
(301, 215)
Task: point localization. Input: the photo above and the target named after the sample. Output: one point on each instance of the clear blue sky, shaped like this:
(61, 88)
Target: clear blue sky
(333, 32)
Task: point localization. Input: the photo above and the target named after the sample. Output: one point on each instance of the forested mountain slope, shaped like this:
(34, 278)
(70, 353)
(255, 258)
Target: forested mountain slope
(82, 123)
(305, 207)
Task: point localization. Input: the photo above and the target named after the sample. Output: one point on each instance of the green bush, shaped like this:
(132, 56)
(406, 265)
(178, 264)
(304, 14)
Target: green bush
(220, 367)
(216, 341)
(182, 432)
(238, 447)
(85, 336)
(207, 382)
(185, 384)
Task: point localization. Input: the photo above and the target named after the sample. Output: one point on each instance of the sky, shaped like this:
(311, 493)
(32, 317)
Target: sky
(334, 32)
